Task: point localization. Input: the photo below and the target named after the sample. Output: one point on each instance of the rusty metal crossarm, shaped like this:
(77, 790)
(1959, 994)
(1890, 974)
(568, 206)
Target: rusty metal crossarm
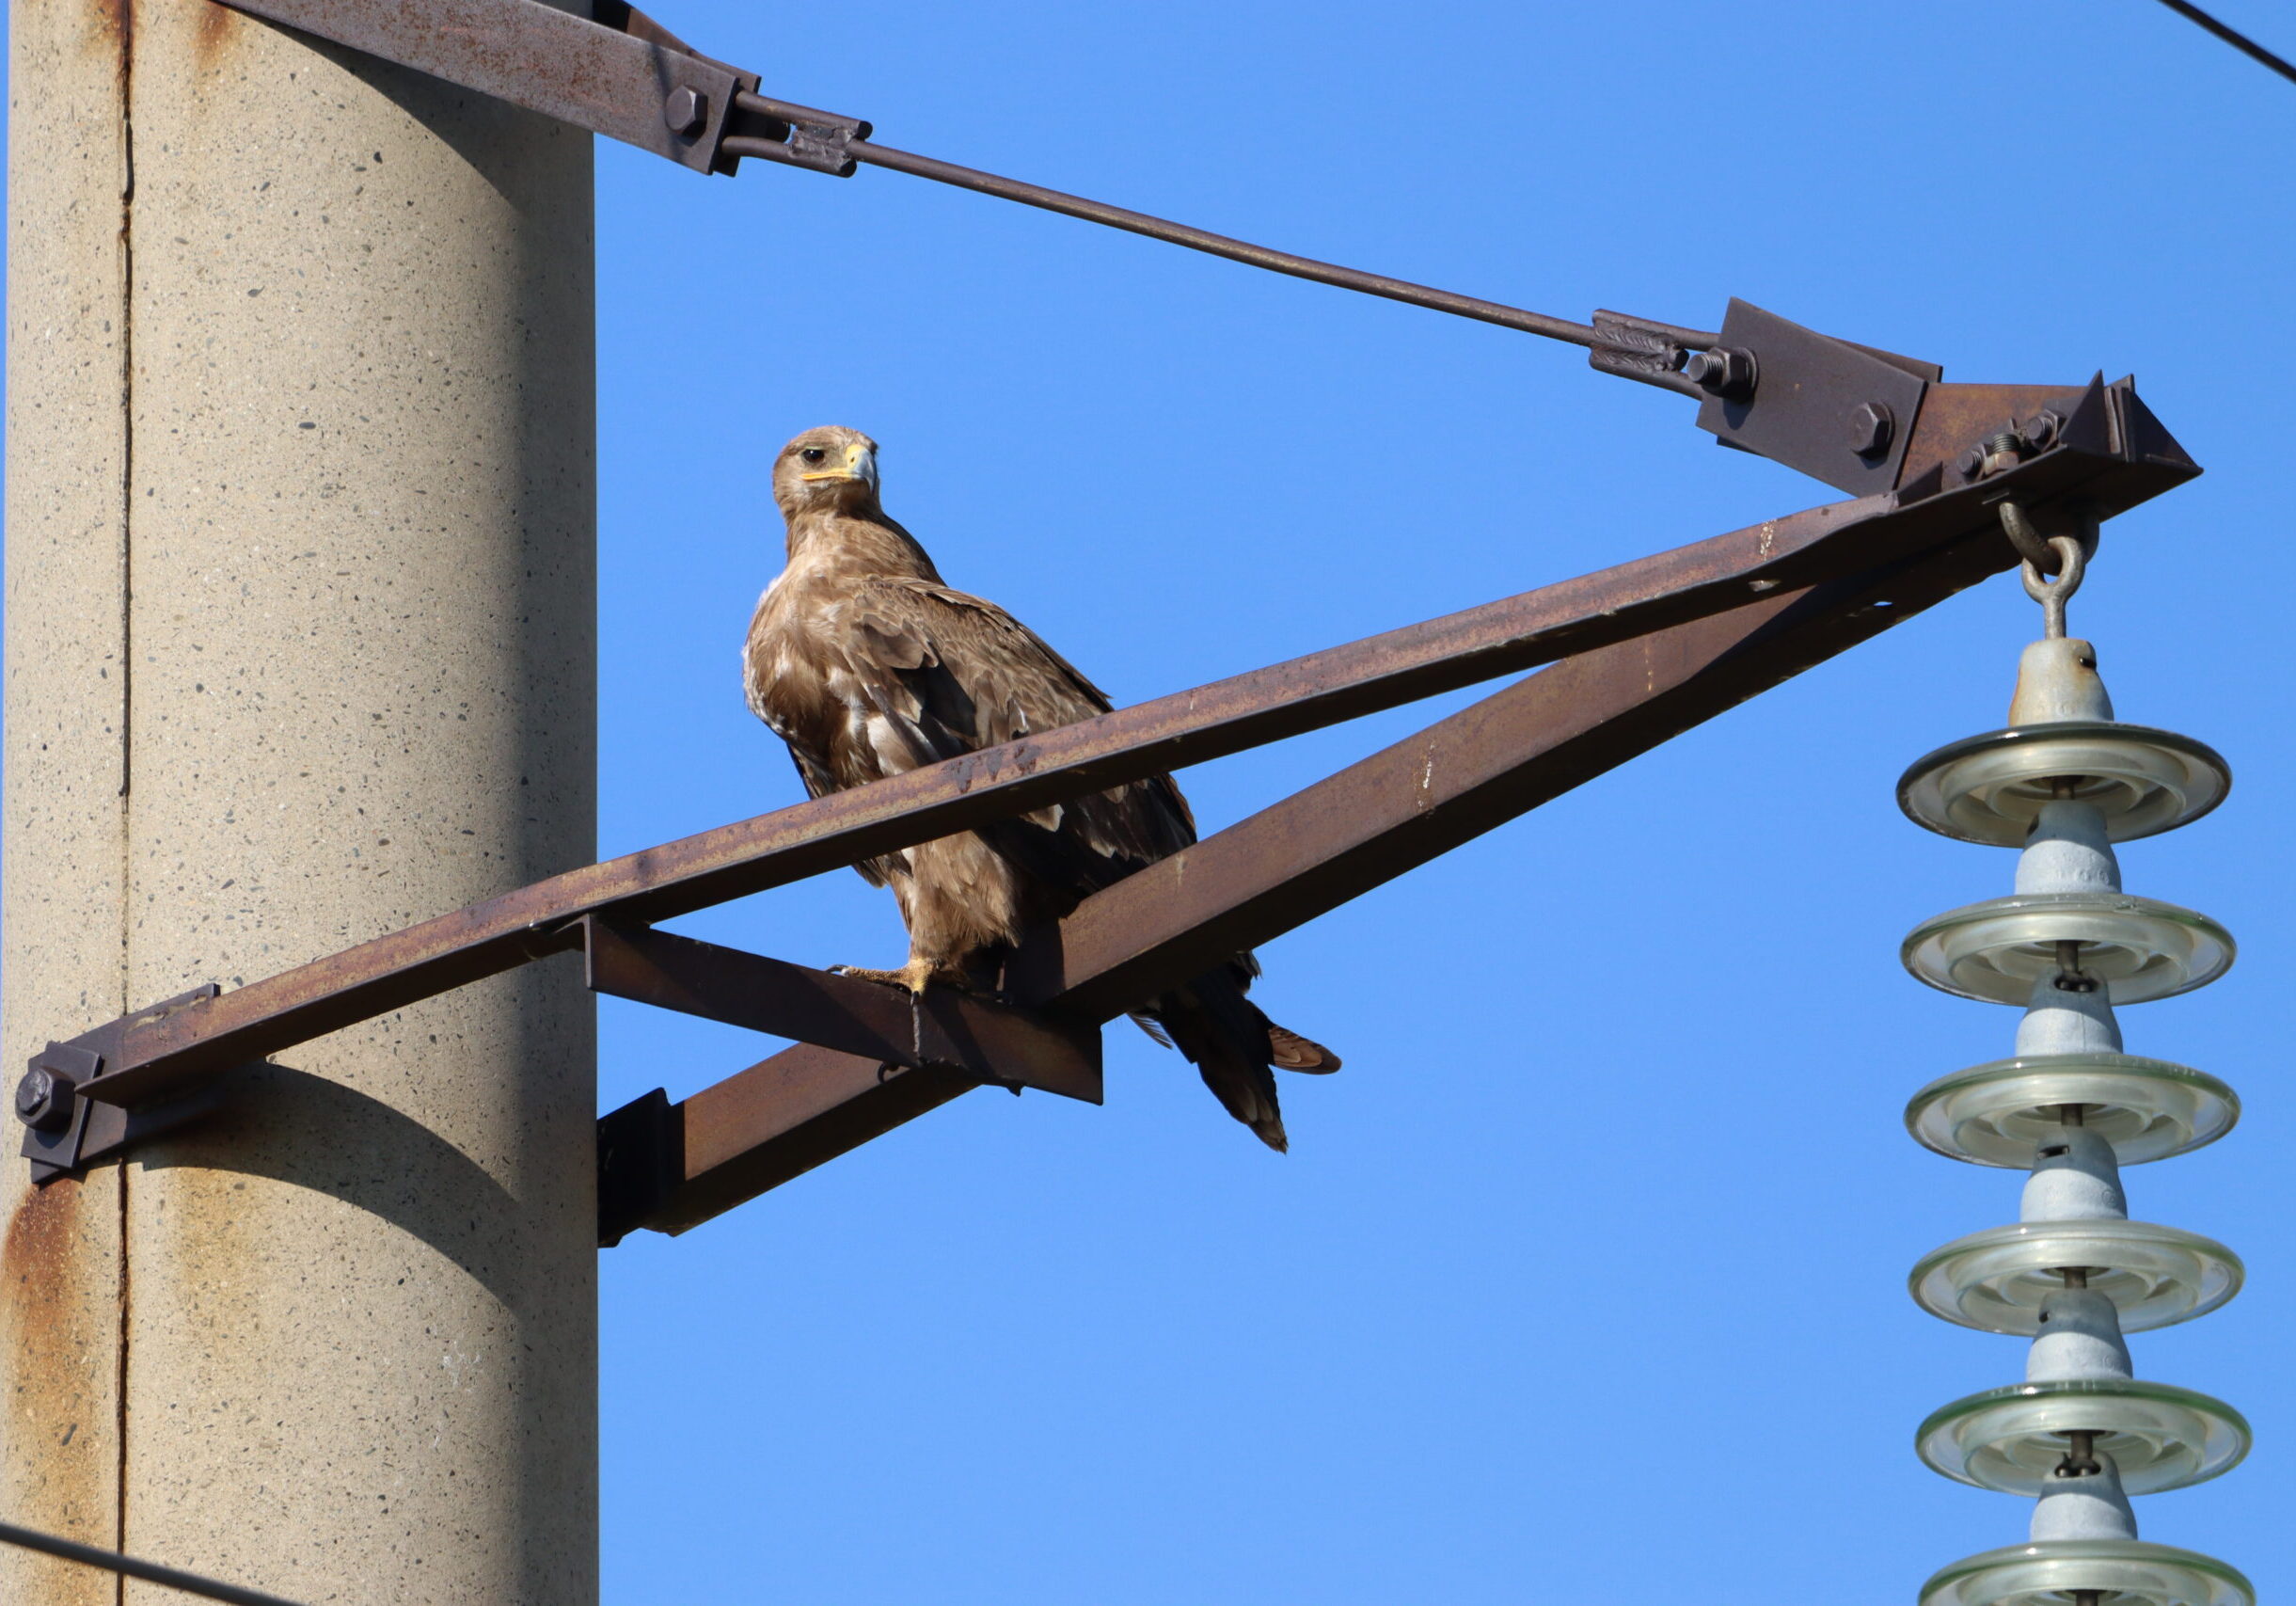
(1409, 804)
(2104, 453)
(1189, 728)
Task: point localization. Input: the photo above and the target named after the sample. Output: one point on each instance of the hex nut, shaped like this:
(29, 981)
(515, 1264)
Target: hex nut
(1722, 371)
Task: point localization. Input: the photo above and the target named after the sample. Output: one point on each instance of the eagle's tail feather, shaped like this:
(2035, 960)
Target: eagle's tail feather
(1291, 1052)
(1234, 1047)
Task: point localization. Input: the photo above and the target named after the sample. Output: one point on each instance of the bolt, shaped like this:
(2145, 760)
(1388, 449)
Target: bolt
(2040, 429)
(1870, 428)
(43, 1100)
(685, 110)
(1972, 463)
(1723, 372)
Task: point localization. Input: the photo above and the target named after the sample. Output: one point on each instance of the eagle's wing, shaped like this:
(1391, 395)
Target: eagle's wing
(947, 673)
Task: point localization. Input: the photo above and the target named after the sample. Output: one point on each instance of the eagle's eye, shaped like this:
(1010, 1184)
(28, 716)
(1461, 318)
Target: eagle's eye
(812, 455)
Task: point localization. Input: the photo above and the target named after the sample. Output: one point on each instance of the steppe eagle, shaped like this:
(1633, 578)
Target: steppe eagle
(867, 664)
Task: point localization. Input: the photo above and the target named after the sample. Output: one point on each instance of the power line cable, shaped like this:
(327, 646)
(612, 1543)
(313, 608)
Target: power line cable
(151, 1572)
(2232, 37)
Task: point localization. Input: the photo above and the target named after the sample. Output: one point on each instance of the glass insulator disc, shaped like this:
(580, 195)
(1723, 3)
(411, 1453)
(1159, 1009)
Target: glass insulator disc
(2139, 947)
(1995, 1281)
(2128, 1572)
(1989, 789)
(1995, 1114)
(2012, 1440)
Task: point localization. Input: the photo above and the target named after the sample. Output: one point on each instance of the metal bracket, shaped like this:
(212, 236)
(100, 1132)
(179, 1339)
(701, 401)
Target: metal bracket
(65, 1130)
(641, 1160)
(624, 76)
(1838, 412)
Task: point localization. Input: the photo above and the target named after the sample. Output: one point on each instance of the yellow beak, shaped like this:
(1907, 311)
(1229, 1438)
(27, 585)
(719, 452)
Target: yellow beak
(860, 464)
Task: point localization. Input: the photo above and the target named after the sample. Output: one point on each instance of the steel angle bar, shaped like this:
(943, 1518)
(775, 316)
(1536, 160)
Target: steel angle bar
(1407, 804)
(1189, 728)
(884, 1025)
(668, 1167)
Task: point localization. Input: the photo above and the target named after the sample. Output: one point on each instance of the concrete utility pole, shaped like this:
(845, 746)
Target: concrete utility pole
(300, 600)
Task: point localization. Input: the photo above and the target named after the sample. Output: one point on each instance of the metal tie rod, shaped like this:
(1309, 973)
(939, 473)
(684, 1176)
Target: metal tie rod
(151, 1572)
(624, 75)
(856, 145)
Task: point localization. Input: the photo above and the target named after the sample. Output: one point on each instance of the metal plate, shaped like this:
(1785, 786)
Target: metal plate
(1808, 389)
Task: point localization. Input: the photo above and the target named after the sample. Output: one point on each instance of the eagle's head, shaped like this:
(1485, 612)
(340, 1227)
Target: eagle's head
(829, 470)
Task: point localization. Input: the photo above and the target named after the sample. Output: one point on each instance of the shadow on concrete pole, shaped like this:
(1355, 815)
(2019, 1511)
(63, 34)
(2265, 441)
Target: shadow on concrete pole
(300, 648)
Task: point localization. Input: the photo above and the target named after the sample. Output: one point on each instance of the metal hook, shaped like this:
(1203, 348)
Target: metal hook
(2072, 563)
(2066, 556)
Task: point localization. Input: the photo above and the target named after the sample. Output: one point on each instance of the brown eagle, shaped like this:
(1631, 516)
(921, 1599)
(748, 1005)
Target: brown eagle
(867, 664)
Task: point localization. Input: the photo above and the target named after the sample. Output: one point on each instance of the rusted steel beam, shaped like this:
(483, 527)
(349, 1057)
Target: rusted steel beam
(880, 1024)
(1449, 783)
(685, 1163)
(1189, 728)
(1400, 807)
(2109, 453)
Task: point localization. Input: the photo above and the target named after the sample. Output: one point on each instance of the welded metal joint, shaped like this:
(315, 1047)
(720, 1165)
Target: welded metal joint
(794, 136)
(1646, 352)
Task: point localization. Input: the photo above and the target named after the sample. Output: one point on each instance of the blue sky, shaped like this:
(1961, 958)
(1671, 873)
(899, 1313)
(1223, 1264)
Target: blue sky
(1585, 1279)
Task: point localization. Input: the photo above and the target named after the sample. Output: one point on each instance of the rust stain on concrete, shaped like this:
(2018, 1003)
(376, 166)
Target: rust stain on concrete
(213, 27)
(59, 1320)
